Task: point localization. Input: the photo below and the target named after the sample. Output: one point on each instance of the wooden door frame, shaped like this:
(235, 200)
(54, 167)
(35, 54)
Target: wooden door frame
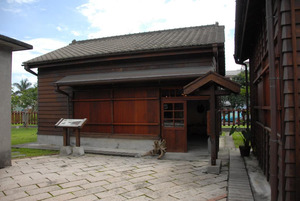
(184, 129)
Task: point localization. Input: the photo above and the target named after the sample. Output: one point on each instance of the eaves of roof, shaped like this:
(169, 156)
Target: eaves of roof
(133, 76)
(13, 44)
(247, 20)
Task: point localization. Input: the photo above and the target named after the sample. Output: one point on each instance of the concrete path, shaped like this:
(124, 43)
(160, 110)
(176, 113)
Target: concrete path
(239, 188)
(238, 183)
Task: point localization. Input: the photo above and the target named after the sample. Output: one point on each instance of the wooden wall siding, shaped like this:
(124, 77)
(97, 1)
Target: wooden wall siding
(131, 111)
(53, 106)
(286, 47)
(260, 100)
(289, 63)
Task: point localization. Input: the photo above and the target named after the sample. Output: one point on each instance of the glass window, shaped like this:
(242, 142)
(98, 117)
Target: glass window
(168, 115)
(178, 115)
(179, 123)
(168, 106)
(168, 123)
(178, 106)
(173, 115)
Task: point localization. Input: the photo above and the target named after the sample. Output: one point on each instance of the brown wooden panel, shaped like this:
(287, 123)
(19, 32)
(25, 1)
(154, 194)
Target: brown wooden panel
(57, 112)
(47, 120)
(136, 93)
(93, 128)
(53, 104)
(149, 130)
(136, 111)
(49, 100)
(50, 96)
(49, 128)
(93, 94)
(53, 116)
(54, 108)
(95, 112)
(175, 140)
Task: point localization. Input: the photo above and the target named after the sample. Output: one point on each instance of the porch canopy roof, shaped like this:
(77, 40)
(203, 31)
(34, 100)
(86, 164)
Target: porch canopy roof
(133, 75)
(212, 78)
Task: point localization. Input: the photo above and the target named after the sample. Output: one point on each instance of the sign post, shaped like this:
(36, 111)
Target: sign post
(66, 124)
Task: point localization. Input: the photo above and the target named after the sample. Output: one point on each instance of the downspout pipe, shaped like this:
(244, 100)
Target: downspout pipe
(273, 101)
(247, 94)
(247, 91)
(29, 70)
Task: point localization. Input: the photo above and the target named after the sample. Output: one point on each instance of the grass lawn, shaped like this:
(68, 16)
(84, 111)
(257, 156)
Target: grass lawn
(236, 136)
(237, 139)
(26, 135)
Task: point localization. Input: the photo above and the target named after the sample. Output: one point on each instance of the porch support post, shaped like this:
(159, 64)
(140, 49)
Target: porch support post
(212, 102)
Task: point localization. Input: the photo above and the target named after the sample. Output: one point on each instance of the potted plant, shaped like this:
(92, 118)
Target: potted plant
(246, 137)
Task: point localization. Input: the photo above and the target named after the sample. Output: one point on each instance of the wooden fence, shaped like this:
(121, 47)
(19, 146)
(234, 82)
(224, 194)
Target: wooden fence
(231, 117)
(25, 118)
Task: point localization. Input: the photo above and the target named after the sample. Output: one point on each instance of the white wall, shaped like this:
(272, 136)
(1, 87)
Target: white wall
(5, 106)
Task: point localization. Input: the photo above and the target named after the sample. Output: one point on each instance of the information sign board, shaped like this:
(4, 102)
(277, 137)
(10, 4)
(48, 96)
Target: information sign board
(67, 124)
(70, 123)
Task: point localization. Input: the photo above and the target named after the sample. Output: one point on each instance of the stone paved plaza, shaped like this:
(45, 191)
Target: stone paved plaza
(100, 177)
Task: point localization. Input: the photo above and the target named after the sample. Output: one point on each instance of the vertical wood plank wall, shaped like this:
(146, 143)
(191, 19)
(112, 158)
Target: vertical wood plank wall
(286, 65)
(125, 111)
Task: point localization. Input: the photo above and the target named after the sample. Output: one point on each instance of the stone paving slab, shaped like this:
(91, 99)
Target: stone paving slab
(101, 177)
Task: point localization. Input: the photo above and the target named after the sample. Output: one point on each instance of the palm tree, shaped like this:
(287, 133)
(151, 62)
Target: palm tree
(22, 86)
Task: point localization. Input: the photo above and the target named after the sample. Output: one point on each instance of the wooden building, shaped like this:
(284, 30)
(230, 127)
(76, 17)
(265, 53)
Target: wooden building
(268, 34)
(131, 87)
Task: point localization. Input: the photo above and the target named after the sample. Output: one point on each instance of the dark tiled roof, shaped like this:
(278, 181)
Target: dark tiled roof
(133, 43)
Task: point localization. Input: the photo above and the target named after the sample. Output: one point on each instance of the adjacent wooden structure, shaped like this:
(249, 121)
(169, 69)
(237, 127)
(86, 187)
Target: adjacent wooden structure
(268, 34)
(132, 86)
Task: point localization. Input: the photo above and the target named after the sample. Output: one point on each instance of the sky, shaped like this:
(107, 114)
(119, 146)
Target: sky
(51, 24)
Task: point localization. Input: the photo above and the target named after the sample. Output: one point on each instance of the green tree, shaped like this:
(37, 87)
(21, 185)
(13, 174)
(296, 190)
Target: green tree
(22, 86)
(25, 96)
(28, 98)
(14, 101)
(238, 100)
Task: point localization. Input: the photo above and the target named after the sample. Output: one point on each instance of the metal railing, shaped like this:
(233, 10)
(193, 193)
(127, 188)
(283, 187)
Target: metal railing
(230, 117)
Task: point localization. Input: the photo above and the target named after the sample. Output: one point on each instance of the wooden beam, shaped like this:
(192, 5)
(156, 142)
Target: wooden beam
(214, 78)
(212, 102)
(217, 92)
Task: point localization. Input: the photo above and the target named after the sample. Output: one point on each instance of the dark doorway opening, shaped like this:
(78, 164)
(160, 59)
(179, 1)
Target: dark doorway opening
(197, 125)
